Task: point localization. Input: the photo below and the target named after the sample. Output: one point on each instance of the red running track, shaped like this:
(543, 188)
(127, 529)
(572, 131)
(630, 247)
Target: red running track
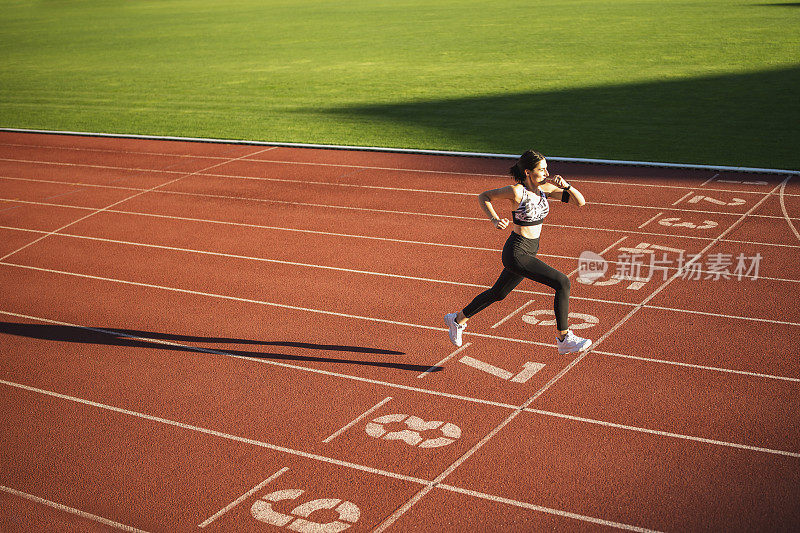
(247, 338)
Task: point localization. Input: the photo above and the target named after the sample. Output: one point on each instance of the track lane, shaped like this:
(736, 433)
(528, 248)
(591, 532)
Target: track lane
(432, 382)
(156, 268)
(734, 408)
(644, 480)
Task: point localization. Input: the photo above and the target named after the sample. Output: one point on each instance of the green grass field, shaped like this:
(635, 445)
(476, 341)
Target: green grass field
(693, 81)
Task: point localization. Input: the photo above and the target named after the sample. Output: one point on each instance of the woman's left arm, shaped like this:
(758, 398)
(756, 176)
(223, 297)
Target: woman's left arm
(559, 188)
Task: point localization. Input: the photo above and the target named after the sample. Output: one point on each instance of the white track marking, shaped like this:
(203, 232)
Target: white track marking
(256, 226)
(393, 189)
(682, 198)
(722, 315)
(429, 485)
(358, 419)
(243, 497)
(546, 510)
(311, 370)
(666, 433)
(381, 274)
(516, 409)
(649, 220)
(783, 208)
(367, 380)
(152, 189)
(386, 150)
(513, 313)
(71, 510)
(355, 271)
(589, 229)
(368, 167)
(214, 433)
(410, 503)
(699, 367)
(446, 359)
(652, 295)
(262, 302)
(709, 180)
(486, 367)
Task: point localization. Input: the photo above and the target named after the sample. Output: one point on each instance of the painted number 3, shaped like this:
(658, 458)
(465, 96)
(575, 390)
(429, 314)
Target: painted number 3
(412, 435)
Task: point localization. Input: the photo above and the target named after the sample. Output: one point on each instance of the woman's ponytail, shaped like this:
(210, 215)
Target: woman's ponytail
(517, 172)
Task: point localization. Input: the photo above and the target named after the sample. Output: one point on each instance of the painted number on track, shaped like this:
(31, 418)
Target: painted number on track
(582, 321)
(298, 520)
(412, 434)
(675, 222)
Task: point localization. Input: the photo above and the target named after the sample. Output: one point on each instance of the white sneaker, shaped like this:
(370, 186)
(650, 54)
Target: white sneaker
(572, 343)
(455, 329)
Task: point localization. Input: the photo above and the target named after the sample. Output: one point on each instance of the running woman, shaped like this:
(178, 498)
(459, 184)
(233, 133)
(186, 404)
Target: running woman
(529, 194)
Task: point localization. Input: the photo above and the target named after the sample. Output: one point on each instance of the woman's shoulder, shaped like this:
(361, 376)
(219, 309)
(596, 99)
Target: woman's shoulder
(518, 190)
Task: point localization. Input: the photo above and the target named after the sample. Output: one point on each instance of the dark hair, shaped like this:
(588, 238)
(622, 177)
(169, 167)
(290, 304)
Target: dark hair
(526, 161)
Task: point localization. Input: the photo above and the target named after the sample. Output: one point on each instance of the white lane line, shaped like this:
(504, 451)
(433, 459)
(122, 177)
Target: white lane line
(513, 313)
(666, 433)
(722, 315)
(427, 484)
(367, 380)
(71, 510)
(607, 204)
(214, 433)
(439, 479)
(152, 189)
(575, 361)
(110, 151)
(262, 302)
(354, 271)
(632, 232)
(610, 302)
(414, 389)
(359, 418)
(393, 189)
(602, 252)
(783, 208)
(682, 198)
(546, 510)
(187, 347)
(699, 367)
(649, 220)
(709, 180)
(446, 359)
(639, 306)
(243, 497)
(364, 167)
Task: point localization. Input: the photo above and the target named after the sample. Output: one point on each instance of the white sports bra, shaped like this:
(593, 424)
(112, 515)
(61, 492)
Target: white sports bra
(532, 209)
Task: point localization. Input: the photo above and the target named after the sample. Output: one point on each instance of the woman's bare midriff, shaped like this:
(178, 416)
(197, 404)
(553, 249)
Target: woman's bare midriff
(529, 232)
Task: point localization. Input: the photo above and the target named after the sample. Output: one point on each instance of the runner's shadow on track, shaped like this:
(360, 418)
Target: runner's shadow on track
(126, 337)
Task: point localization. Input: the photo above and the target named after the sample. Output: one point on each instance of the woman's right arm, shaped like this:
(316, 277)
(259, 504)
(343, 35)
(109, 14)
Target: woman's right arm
(486, 198)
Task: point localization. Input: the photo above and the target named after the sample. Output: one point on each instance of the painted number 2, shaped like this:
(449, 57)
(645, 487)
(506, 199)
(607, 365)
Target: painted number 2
(412, 434)
(298, 519)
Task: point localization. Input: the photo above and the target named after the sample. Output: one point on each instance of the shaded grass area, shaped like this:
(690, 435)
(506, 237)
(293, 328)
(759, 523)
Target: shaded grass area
(749, 118)
(444, 74)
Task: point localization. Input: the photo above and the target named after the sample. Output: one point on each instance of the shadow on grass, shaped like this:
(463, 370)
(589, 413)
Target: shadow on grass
(781, 4)
(124, 337)
(746, 119)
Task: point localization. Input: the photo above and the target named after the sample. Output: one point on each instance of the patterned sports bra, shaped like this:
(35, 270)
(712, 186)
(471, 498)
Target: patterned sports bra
(532, 209)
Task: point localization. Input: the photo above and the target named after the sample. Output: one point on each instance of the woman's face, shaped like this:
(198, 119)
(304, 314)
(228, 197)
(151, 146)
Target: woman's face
(539, 174)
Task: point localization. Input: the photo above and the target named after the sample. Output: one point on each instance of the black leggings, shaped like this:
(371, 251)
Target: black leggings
(520, 261)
